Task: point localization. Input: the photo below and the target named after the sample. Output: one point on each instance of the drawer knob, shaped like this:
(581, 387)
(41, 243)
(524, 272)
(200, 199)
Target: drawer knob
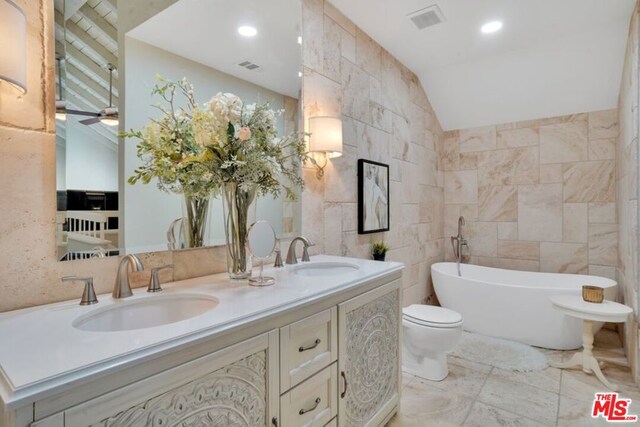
(317, 402)
(311, 347)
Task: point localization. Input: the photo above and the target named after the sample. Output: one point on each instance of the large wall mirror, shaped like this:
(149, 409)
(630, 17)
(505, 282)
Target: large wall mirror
(108, 56)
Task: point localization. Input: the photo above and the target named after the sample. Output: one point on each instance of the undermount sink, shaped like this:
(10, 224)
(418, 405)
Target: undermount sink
(325, 269)
(146, 312)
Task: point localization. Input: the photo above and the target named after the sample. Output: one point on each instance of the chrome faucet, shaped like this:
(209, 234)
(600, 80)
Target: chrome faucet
(122, 287)
(457, 242)
(291, 254)
(89, 294)
(154, 281)
(278, 261)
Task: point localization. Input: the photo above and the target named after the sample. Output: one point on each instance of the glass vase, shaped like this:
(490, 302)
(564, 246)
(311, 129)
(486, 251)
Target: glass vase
(239, 214)
(196, 219)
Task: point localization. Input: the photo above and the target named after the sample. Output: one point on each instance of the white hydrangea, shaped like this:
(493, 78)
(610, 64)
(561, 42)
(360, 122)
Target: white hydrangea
(225, 107)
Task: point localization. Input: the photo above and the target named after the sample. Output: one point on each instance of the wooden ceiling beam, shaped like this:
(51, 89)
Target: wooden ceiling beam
(89, 13)
(74, 32)
(97, 87)
(98, 103)
(80, 60)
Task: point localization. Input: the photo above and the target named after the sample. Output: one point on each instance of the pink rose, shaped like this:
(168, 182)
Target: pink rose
(243, 134)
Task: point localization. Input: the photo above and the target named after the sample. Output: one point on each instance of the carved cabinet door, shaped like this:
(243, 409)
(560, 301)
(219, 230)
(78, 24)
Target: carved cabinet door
(237, 386)
(369, 356)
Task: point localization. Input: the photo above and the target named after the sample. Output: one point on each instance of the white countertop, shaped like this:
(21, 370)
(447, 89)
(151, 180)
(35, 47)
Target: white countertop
(41, 350)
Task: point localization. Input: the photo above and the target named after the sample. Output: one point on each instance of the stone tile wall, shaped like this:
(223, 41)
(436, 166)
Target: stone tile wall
(537, 195)
(387, 118)
(627, 189)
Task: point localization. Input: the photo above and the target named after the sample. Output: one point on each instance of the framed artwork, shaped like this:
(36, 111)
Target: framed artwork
(373, 197)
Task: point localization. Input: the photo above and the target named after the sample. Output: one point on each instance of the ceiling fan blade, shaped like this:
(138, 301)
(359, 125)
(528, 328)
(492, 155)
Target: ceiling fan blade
(90, 121)
(82, 113)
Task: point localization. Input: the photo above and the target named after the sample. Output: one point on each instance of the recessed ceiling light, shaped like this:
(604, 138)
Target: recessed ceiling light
(299, 39)
(247, 31)
(491, 27)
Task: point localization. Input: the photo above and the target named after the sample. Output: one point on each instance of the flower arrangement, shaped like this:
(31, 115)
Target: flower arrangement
(168, 146)
(222, 147)
(194, 150)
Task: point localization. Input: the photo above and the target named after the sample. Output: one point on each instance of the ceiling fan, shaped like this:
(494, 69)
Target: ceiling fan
(108, 116)
(61, 104)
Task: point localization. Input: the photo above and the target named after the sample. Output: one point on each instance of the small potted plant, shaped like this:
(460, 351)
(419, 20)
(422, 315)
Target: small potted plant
(379, 250)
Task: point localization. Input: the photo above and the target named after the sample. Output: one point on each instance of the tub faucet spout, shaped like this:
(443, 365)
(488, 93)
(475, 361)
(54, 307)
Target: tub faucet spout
(458, 242)
(460, 224)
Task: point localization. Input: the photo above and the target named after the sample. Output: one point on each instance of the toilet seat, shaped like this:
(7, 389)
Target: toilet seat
(431, 316)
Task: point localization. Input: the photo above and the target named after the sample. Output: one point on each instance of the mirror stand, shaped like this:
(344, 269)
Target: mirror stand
(262, 280)
(261, 242)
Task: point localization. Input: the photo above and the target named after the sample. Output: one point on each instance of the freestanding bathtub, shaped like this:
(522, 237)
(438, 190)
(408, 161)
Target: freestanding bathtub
(514, 305)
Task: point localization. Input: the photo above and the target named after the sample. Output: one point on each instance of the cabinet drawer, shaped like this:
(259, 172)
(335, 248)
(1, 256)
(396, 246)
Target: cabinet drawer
(307, 346)
(312, 403)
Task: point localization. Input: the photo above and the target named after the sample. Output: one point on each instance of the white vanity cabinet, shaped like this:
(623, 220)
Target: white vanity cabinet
(332, 360)
(369, 356)
(236, 386)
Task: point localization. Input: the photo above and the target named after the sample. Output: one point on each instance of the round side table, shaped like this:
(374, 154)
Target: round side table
(608, 311)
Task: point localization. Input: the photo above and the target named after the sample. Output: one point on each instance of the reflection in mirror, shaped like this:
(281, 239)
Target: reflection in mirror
(261, 242)
(98, 212)
(87, 221)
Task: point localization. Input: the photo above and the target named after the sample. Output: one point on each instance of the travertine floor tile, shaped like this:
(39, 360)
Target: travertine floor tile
(581, 386)
(547, 380)
(422, 402)
(613, 356)
(522, 399)
(465, 378)
(482, 415)
(476, 394)
(576, 413)
(401, 421)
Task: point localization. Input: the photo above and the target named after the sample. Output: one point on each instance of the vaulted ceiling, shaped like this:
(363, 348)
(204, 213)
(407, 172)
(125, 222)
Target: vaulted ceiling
(551, 57)
(87, 41)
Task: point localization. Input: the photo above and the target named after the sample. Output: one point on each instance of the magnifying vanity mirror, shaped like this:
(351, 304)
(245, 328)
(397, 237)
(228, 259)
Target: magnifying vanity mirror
(262, 243)
(109, 54)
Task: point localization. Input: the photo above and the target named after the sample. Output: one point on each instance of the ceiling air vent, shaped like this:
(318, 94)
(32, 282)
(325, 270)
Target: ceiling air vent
(249, 65)
(427, 17)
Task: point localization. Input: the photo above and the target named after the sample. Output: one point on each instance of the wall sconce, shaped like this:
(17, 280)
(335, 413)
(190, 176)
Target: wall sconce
(13, 55)
(326, 139)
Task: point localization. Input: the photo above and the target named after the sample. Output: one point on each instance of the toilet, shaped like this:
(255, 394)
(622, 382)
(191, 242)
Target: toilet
(429, 332)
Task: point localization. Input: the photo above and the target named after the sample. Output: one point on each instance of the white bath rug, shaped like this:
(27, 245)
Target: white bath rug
(500, 353)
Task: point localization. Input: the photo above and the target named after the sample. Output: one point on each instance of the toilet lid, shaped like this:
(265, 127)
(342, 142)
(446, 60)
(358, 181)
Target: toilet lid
(431, 314)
